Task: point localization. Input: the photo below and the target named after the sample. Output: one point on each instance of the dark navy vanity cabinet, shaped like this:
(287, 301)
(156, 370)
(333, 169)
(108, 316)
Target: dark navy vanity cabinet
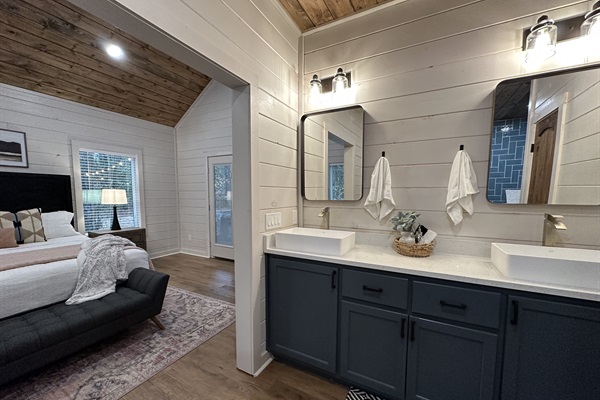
(552, 351)
(303, 312)
(407, 337)
(373, 331)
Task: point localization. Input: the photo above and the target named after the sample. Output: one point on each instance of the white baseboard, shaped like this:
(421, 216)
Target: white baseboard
(262, 368)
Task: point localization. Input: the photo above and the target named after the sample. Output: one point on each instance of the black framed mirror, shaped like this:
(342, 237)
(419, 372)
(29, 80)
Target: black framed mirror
(545, 146)
(332, 154)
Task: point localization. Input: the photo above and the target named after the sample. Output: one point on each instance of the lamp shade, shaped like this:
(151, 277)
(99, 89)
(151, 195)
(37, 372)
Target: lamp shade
(114, 196)
(340, 82)
(591, 24)
(540, 44)
(315, 91)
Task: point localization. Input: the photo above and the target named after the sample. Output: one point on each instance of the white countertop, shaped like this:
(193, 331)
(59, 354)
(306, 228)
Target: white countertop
(460, 268)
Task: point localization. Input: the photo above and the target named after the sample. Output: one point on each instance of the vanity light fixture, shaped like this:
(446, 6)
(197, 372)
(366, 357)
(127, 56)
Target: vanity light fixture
(591, 23)
(540, 43)
(340, 82)
(315, 90)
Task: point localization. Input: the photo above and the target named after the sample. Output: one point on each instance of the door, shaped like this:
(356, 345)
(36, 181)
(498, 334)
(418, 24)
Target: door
(552, 351)
(373, 348)
(448, 362)
(543, 158)
(220, 190)
(302, 303)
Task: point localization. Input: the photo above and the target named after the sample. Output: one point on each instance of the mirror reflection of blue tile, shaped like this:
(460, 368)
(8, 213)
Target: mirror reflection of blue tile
(506, 167)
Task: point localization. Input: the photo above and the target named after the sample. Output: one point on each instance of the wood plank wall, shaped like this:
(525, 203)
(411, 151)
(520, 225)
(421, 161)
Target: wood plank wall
(425, 71)
(256, 42)
(578, 144)
(204, 131)
(51, 123)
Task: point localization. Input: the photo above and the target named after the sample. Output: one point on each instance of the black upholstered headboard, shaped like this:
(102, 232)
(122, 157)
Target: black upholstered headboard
(20, 191)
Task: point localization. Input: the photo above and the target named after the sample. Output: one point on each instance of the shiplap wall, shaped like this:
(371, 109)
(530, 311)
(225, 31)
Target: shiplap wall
(204, 131)
(425, 71)
(51, 123)
(578, 144)
(255, 41)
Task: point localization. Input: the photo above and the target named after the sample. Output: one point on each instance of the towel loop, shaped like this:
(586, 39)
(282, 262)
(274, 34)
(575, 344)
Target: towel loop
(383, 154)
(462, 147)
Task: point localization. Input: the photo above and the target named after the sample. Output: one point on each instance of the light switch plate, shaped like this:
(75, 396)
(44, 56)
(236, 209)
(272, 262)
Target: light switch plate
(272, 220)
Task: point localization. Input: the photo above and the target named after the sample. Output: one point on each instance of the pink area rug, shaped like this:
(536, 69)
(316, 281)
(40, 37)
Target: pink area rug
(116, 366)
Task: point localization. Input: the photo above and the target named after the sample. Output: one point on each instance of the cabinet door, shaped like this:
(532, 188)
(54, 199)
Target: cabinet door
(373, 348)
(447, 362)
(302, 320)
(552, 351)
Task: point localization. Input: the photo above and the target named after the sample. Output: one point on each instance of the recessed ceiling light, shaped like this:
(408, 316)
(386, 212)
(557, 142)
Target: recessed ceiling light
(114, 51)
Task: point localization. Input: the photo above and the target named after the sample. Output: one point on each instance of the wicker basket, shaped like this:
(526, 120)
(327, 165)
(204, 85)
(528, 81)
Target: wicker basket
(414, 249)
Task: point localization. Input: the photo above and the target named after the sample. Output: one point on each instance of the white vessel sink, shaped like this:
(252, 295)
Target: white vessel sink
(555, 265)
(318, 241)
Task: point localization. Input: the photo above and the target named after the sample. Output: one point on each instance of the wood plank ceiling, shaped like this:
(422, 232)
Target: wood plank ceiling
(309, 14)
(54, 47)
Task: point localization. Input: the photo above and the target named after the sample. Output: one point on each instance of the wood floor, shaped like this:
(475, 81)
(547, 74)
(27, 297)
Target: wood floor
(209, 371)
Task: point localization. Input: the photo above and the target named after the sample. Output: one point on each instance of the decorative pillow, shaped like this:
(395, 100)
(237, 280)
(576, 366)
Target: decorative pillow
(7, 220)
(58, 224)
(29, 226)
(7, 238)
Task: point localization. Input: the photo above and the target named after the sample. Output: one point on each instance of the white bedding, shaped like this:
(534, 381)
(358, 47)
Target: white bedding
(35, 286)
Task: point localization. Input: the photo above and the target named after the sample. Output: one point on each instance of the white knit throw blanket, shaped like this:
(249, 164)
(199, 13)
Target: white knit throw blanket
(101, 262)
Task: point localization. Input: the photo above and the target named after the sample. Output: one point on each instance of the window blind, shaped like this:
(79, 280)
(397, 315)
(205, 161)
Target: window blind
(104, 170)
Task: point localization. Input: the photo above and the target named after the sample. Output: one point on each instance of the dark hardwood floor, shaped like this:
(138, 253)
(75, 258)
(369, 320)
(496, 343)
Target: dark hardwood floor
(209, 371)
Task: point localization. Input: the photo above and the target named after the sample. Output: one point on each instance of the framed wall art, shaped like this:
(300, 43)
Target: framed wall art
(13, 149)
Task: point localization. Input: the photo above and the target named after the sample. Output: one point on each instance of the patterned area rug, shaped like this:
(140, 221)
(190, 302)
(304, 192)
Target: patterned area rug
(116, 366)
(357, 394)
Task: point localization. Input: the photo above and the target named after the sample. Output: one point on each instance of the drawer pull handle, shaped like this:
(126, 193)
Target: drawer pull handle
(333, 283)
(461, 306)
(370, 289)
(402, 326)
(515, 312)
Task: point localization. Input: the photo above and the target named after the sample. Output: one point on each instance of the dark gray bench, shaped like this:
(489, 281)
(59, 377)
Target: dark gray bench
(37, 338)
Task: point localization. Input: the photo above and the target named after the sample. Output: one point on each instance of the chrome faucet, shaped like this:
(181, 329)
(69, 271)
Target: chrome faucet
(325, 215)
(552, 223)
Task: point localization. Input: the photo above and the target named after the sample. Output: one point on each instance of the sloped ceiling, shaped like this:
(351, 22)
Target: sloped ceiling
(55, 48)
(309, 14)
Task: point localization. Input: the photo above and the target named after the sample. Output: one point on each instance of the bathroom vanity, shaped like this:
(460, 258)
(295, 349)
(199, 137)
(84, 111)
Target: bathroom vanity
(442, 328)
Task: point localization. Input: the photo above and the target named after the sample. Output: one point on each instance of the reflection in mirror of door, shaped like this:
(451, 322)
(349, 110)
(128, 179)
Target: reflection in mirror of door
(332, 156)
(545, 146)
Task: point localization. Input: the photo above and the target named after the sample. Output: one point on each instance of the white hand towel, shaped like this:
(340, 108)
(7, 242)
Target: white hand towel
(380, 201)
(461, 186)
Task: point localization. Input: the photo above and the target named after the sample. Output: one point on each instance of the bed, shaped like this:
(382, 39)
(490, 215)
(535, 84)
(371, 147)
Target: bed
(35, 286)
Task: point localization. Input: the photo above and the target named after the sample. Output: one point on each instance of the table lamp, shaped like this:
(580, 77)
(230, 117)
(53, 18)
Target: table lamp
(114, 197)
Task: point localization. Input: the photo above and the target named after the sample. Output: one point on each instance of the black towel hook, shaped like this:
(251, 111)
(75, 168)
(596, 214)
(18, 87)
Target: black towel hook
(462, 147)
(383, 154)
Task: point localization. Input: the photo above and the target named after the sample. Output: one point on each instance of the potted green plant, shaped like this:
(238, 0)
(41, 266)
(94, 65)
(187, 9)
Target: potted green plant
(406, 224)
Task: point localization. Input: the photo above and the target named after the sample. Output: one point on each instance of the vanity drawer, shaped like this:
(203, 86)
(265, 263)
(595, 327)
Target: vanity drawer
(465, 305)
(375, 288)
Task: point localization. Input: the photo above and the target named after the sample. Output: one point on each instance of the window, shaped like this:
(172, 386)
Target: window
(336, 181)
(100, 167)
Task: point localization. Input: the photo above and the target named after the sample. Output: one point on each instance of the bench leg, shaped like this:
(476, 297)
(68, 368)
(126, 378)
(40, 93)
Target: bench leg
(158, 323)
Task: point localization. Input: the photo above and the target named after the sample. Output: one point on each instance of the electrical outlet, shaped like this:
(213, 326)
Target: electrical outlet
(272, 220)
(294, 216)
(189, 238)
